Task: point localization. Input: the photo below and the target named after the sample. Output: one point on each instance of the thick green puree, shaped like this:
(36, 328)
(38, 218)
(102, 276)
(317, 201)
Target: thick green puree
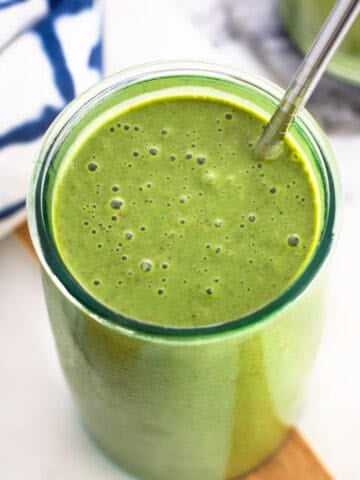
(162, 213)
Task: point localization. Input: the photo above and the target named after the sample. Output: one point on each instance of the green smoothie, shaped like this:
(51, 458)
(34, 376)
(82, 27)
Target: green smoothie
(164, 215)
(183, 277)
(303, 20)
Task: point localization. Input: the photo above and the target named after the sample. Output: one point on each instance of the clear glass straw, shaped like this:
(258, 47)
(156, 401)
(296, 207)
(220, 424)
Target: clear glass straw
(307, 76)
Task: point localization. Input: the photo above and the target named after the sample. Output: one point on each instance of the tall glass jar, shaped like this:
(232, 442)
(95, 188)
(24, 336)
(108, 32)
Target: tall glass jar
(303, 20)
(184, 403)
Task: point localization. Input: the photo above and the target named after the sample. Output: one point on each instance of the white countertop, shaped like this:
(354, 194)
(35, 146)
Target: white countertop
(40, 435)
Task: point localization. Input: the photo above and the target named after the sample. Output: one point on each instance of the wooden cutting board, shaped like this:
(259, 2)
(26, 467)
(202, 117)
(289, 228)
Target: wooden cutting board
(294, 461)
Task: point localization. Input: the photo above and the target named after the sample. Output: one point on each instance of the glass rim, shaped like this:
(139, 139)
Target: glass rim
(54, 266)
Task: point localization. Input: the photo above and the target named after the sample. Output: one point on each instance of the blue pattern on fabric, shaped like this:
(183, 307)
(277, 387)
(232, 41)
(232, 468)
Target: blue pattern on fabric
(30, 130)
(10, 3)
(51, 44)
(96, 57)
(5, 212)
(55, 54)
(60, 7)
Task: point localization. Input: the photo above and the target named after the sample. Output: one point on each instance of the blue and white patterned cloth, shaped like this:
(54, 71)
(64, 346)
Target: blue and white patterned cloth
(50, 51)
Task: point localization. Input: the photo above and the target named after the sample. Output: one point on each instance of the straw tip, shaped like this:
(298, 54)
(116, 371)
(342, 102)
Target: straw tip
(265, 150)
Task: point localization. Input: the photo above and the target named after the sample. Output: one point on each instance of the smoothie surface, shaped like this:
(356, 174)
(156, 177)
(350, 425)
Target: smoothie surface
(162, 213)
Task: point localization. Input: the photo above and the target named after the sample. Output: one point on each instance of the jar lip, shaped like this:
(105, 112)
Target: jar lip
(47, 252)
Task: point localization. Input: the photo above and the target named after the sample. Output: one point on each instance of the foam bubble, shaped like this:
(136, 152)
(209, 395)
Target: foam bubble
(146, 266)
(92, 166)
(201, 160)
(293, 240)
(116, 203)
(218, 223)
(153, 151)
(251, 218)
